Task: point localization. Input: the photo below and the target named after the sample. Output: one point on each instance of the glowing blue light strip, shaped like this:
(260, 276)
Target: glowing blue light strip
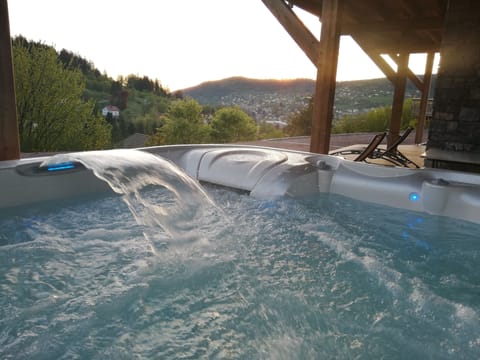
(61, 166)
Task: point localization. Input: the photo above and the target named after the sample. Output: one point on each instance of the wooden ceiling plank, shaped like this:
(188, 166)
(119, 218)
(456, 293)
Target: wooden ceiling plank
(295, 27)
(434, 35)
(381, 7)
(377, 45)
(312, 7)
(394, 26)
(410, 7)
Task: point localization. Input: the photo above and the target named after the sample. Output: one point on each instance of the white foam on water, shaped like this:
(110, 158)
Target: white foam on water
(291, 279)
(181, 209)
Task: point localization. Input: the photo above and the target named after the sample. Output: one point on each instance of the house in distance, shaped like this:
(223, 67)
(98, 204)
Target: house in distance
(111, 111)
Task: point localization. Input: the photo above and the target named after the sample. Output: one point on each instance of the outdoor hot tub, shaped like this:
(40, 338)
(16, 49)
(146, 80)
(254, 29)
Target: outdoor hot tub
(264, 173)
(236, 252)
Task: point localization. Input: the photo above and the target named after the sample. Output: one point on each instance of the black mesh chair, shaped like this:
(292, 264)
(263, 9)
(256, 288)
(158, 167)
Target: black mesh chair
(393, 155)
(362, 152)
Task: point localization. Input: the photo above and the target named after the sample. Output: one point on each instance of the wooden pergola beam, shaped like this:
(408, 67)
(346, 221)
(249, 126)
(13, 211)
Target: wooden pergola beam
(410, 74)
(326, 76)
(9, 137)
(387, 69)
(295, 27)
(376, 44)
(378, 60)
(427, 79)
(324, 54)
(398, 98)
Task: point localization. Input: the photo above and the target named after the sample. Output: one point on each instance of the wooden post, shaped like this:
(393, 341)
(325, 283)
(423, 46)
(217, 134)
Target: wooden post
(424, 99)
(398, 98)
(9, 137)
(326, 76)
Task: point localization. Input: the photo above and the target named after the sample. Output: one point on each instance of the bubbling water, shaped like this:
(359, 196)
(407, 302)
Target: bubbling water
(158, 193)
(319, 278)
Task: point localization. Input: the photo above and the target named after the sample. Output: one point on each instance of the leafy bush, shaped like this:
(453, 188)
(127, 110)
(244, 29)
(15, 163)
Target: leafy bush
(375, 120)
(51, 111)
(183, 123)
(232, 124)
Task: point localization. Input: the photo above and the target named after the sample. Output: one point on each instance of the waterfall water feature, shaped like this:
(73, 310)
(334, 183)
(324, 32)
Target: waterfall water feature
(159, 195)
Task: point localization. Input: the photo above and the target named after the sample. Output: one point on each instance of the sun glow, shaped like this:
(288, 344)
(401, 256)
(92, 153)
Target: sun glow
(184, 42)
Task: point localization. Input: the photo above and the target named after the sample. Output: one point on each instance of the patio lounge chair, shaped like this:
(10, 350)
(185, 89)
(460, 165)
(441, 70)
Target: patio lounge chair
(362, 152)
(392, 154)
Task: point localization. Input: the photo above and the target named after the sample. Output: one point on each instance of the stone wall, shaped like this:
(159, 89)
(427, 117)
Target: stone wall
(455, 126)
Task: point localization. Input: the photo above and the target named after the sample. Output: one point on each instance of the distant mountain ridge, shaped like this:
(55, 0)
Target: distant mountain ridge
(277, 100)
(239, 85)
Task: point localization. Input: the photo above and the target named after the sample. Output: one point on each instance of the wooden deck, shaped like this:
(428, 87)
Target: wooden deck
(302, 143)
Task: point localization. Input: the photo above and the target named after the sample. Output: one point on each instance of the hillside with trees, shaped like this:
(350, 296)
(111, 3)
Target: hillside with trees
(65, 103)
(62, 98)
(52, 113)
(278, 100)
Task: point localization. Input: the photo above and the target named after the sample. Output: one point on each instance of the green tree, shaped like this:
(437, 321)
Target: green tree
(148, 124)
(300, 124)
(52, 115)
(183, 123)
(269, 131)
(231, 124)
(374, 120)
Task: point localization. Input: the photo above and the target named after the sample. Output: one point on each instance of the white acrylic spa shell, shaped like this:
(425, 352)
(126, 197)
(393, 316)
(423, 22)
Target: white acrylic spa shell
(265, 173)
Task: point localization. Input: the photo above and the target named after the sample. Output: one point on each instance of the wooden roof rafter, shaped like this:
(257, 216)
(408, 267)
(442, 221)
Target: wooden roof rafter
(356, 10)
(383, 65)
(295, 27)
(413, 26)
(410, 8)
(394, 28)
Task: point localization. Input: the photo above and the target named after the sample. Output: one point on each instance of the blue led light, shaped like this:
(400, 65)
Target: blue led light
(414, 197)
(61, 166)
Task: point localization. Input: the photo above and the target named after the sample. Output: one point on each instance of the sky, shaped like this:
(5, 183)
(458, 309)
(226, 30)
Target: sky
(182, 43)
